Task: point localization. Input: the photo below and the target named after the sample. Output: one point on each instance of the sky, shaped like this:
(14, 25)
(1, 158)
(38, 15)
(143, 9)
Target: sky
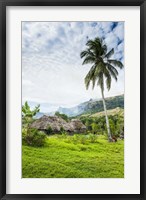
(52, 70)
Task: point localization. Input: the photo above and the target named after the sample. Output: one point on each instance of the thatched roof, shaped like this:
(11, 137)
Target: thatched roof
(77, 125)
(56, 123)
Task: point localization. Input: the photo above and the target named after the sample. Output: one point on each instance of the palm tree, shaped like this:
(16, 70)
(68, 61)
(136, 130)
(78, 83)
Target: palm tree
(102, 71)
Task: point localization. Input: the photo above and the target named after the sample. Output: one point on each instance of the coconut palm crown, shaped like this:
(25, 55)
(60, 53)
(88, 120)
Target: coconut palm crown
(103, 69)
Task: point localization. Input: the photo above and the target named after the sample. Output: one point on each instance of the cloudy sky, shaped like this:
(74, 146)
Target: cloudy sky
(52, 70)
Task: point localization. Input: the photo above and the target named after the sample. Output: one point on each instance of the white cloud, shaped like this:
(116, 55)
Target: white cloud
(52, 70)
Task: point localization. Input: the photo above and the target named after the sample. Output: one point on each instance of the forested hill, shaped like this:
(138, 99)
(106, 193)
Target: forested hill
(94, 106)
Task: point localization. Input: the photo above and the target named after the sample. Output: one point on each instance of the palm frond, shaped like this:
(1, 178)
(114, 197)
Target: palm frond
(99, 68)
(86, 53)
(104, 49)
(116, 63)
(108, 78)
(110, 53)
(98, 40)
(111, 67)
(112, 70)
(96, 46)
(108, 82)
(94, 81)
(89, 76)
(87, 81)
(88, 60)
(113, 75)
(91, 44)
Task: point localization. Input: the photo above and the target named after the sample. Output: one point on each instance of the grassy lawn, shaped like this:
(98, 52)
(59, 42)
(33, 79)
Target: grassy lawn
(62, 158)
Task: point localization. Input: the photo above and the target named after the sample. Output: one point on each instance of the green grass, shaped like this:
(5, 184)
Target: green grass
(63, 158)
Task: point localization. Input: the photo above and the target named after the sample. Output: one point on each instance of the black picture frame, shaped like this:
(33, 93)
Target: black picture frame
(3, 182)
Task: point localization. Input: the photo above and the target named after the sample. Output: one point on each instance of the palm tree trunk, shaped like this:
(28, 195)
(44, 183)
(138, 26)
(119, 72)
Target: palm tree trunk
(106, 117)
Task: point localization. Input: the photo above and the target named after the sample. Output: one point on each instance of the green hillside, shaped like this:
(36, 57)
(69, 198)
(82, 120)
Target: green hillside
(112, 112)
(93, 106)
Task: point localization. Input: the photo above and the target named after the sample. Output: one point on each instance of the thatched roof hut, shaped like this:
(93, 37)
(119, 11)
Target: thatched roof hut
(57, 123)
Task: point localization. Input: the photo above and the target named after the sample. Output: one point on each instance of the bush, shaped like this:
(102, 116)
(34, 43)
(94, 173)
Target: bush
(92, 138)
(49, 130)
(62, 129)
(97, 125)
(64, 134)
(83, 139)
(33, 137)
(79, 139)
(63, 116)
(75, 138)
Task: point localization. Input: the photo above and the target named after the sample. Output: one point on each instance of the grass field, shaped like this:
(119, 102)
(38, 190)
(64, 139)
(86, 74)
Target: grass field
(64, 158)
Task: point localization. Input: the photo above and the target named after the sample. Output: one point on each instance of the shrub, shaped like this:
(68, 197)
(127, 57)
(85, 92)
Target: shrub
(92, 138)
(95, 127)
(49, 130)
(33, 137)
(75, 138)
(61, 129)
(64, 134)
(63, 116)
(83, 139)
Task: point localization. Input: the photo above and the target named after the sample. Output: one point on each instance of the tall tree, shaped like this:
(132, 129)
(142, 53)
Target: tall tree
(102, 71)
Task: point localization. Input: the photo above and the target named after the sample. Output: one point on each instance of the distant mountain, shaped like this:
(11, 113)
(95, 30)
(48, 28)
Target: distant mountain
(93, 106)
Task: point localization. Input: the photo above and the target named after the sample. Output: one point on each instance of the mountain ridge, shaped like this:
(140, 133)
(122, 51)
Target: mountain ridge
(93, 106)
(88, 107)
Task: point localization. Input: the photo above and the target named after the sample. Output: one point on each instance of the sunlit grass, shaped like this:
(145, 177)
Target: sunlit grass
(63, 157)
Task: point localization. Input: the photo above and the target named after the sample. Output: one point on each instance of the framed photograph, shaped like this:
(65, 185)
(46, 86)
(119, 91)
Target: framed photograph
(72, 99)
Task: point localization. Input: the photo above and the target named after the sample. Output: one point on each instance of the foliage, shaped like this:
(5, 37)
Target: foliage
(95, 127)
(49, 130)
(103, 67)
(33, 137)
(78, 138)
(63, 116)
(62, 129)
(98, 124)
(93, 138)
(61, 159)
(28, 114)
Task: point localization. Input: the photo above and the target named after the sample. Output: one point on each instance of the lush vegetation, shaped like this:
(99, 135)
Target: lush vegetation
(98, 152)
(74, 157)
(96, 123)
(31, 137)
(61, 155)
(63, 116)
